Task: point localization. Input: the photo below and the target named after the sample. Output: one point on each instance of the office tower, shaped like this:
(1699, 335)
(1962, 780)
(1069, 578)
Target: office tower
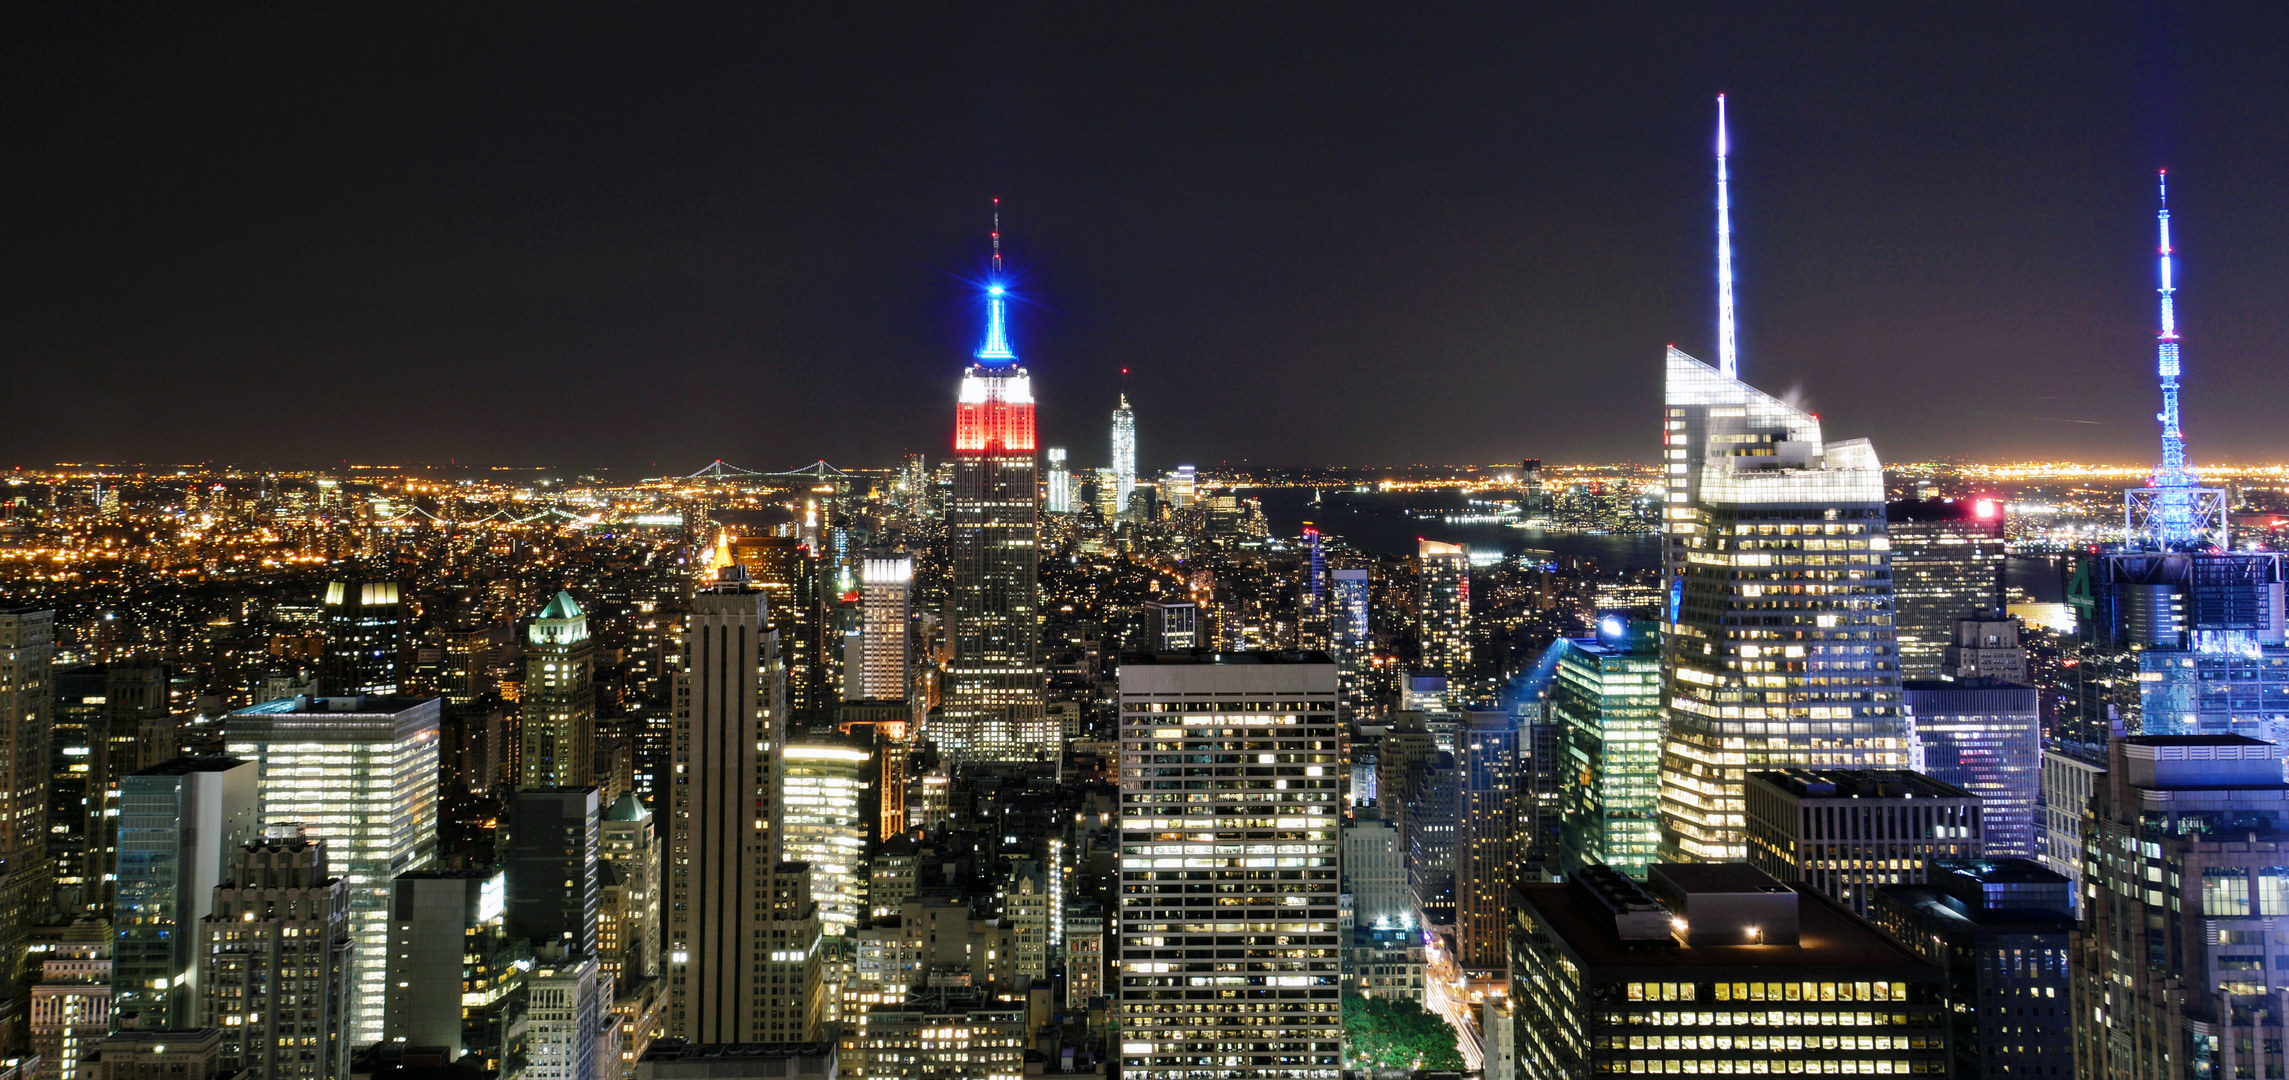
(27, 642)
(2178, 970)
(1486, 844)
(887, 613)
(1059, 498)
(786, 569)
(1282, 1016)
(1717, 969)
(628, 924)
(1374, 868)
(1984, 736)
(365, 628)
(1429, 827)
(1442, 612)
(1541, 798)
(2069, 780)
(1986, 647)
(132, 730)
(180, 825)
(1778, 650)
(457, 972)
(2001, 931)
(550, 852)
(559, 732)
(742, 928)
(572, 1034)
(1846, 832)
(1102, 492)
(274, 961)
(1124, 455)
(1172, 625)
(1183, 487)
(824, 796)
(1349, 632)
(1405, 748)
(360, 773)
(71, 1009)
(995, 681)
(1605, 702)
(1947, 562)
(468, 664)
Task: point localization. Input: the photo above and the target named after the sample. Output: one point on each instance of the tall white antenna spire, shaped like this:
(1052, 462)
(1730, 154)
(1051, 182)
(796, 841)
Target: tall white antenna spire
(1728, 355)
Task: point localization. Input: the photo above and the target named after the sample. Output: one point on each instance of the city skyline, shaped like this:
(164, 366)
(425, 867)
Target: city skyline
(1535, 231)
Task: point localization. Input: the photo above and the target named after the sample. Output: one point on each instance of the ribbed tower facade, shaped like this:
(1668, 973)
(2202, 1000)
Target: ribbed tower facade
(994, 694)
(743, 933)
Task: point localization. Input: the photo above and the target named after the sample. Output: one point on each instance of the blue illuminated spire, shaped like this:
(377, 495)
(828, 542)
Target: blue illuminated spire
(996, 348)
(2171, 478)
(1728, 358)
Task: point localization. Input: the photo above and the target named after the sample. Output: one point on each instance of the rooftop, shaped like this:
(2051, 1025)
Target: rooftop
(1858, 784)
(1202, 656)
(2191, 740)
(350, 704)
(184, 766)
(1830, 938)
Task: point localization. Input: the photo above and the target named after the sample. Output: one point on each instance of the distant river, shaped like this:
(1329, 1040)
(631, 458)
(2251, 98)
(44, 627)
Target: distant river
(1378, 523)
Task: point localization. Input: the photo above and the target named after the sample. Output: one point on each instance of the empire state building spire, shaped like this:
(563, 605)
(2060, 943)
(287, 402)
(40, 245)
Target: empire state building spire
(996, 347)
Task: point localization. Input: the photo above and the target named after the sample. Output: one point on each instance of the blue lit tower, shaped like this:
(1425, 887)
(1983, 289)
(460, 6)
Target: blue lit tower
(994, 694)
(2172, 514)
(2179, 636)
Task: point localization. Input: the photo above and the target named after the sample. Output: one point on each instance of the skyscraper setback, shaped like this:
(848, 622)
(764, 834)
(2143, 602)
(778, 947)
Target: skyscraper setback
(994, 708)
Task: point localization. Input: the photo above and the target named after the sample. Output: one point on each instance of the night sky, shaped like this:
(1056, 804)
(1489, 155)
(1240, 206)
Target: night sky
(609, 234)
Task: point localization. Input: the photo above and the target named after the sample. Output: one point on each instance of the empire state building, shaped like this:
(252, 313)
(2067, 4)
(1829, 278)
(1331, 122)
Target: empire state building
(994, 695)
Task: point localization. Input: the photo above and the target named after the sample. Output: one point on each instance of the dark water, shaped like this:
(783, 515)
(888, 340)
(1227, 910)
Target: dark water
(1377, 522)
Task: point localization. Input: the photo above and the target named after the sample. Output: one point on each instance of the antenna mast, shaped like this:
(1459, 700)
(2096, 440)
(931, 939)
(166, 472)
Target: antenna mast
(1728, 356)
(2172, 514)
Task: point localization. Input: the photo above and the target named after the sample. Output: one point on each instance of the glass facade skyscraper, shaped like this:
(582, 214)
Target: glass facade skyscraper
(1984, 736)
(1605, 700)
(360, 774)
(181, 823)
(1779, 649)
(1947, 563)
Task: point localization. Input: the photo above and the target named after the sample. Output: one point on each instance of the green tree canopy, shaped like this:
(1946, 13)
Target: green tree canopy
(1394, 1033)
